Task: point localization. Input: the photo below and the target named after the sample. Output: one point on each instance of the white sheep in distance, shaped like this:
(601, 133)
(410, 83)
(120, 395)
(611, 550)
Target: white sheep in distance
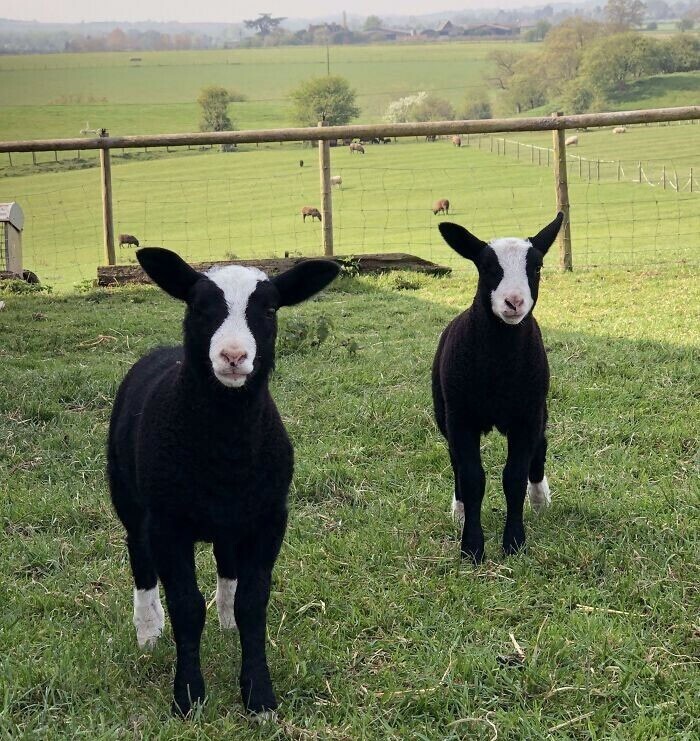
(620, 130)
(571, 141)
(336, 180)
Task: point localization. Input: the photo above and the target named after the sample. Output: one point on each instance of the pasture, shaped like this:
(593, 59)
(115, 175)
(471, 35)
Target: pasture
(247, 203)
(53, 95)
(376, 628)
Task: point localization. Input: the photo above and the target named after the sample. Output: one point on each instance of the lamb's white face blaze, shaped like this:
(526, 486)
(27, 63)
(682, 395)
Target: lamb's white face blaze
(512, 299)
(234, 337)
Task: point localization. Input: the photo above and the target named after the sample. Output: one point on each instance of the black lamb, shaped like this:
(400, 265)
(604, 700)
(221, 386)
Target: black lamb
(491, 370)
(197, 452)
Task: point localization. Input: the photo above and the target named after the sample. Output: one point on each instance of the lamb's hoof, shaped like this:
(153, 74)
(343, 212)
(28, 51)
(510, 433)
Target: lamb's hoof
(473, 547)
(539, 495)
(149, 618)
(513, 539)
(187, 696)
(225, 595)
(266, 716)
(458, 511)
(258, 696)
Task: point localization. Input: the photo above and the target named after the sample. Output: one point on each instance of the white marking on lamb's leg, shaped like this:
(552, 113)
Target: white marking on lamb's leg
(540, 497)
(458, 511)
(225, 593)
(149, 618)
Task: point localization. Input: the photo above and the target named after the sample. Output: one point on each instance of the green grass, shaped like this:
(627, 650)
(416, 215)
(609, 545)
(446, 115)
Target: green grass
(159, 94)
(248, 204)
(376, 629)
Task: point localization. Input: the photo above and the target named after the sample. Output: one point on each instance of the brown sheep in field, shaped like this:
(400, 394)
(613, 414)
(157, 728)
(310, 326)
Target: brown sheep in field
(441, 206)
(457, 141)
(355, 147)
(128, 239)
(314, 213)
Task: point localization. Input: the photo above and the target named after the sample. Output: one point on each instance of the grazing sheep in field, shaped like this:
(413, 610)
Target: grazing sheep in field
(336, 180)
(490, 370)
(301, 163)
(571, 141)
(431, 138)
(457, 141)
(356, 147)
(128, 239)
(197, 451)
(314, 213)
(386, 140)
(441, 207)
(620, 130)
(347, 142)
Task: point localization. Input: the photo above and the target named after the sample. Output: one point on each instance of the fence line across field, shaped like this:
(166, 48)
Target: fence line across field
(323, 134)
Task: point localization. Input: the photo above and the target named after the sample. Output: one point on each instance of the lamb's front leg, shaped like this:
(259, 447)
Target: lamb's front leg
(515, 473)
(470, 483)
(255, 560)
(252, 595)
(226, 583)
(187, 609)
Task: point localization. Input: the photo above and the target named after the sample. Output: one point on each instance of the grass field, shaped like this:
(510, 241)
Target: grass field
(214, 205)
(247, 204)
(159, 95)
(376, 630)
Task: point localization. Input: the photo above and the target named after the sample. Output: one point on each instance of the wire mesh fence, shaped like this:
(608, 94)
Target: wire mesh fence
(214, 205)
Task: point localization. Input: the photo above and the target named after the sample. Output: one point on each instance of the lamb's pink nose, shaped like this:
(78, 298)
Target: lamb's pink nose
(234, 356)
(514, 301)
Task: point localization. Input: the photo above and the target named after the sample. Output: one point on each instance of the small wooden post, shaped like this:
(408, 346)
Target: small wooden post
(55, 154)
(492, 144)
(663, 176)
(106, 171)
(324, 160)
(580, 174)
(691, 179)
(34, 157)
(619, 167)
(562, 192)
(9, 156)
(640, 171)
(517, 150)
(597, 170)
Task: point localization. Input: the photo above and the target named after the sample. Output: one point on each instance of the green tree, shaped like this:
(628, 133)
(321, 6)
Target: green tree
(372, 23)
(477, 106)
(265, 23)
(624, 14)
(612, 61)
(433, 108)
(330, 98)
(213, 101)
(685, 24)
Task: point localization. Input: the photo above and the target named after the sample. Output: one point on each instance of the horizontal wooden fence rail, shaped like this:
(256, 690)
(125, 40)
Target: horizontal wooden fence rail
(367, 131)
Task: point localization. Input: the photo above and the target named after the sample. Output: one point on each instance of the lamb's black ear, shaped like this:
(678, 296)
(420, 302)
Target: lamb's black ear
(303, 280)
(462, 242)
(544, 239)
(168, 270)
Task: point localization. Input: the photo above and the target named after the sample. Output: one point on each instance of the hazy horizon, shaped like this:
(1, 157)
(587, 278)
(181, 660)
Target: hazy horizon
(222, 11)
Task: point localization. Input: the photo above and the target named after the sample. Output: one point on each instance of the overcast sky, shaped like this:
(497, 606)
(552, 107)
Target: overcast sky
(226, 11)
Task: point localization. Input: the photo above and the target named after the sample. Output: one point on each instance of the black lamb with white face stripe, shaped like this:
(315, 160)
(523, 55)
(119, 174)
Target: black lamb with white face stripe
(197, 452)
(490, 370)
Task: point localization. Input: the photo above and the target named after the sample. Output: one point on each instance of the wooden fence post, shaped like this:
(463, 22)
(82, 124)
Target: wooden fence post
(562, 191)
(106, 171)
(324, 160)
(691, 179)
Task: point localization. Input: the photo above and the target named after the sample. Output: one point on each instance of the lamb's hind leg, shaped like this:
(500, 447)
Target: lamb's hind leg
(226, 582)
(149, 618)
(537, 486)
